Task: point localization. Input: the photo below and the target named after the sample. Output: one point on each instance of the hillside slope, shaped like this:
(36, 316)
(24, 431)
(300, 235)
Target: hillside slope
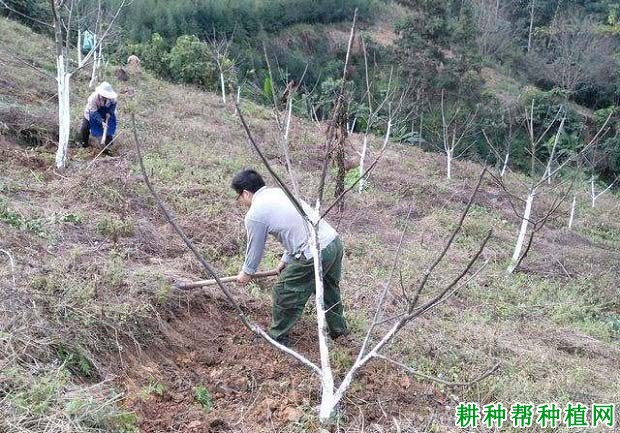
(93, 334)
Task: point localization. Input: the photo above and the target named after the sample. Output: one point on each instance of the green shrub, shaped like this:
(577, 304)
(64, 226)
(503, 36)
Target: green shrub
(191, 62)
(203, 397)
(154, 55)
(18, 221)
(75, 361)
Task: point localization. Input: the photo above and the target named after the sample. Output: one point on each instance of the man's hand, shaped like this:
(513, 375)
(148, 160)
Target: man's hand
(243, 278)
(280, 267)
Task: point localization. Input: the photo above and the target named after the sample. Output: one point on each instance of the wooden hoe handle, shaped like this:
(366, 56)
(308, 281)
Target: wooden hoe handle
(203, 283)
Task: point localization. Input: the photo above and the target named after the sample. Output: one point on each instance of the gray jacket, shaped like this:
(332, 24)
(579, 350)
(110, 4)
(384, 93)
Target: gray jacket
(273, 213)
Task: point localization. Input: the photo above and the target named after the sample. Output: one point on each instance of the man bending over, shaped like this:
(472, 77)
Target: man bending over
(271, 212)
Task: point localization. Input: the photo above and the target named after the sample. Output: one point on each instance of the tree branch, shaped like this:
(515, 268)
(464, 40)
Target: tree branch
(436, 379)
(256, 329)
(439, 258)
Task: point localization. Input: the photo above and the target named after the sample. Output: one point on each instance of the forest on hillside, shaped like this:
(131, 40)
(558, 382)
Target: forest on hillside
(488, 58)
(561, 54)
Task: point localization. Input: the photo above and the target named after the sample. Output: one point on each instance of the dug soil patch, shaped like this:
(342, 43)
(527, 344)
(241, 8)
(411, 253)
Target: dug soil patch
(213, 375)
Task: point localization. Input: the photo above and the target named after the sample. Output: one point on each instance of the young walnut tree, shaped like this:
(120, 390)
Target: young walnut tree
(220, 47)
(331, 393)
(383, 328)
(452, 134)
(539, 182)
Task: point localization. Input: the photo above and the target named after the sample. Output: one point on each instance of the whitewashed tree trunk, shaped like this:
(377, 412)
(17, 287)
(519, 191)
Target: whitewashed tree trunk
(522, 232)
(449, 162)
(572, 212)
(549, 170)
(64, 112)
(222, 83)
(594, 195)
(362, 159)
(531, 32)
(327, 378)
(505, 166)
(79, 47)
(97, 54)
(352, 127)
(93, 74)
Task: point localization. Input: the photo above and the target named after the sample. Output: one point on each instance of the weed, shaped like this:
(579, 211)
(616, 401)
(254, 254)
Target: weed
(114, 272)
(75, 361)
(9, 217)
(602, 232)
(356, 320)
(613, 321)
(72, 218)
(107, 417)
(163, 290)
(115, 229)
(203, 397)
(20, 222)
(165, 169)
(341, 358)
(351, 177)
(152, 388)
(125, 422)
(39, 397)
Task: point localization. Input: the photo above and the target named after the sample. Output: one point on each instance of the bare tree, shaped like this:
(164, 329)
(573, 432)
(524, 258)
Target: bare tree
(332, 395)
(593, 159)
(538, 182)
(594, 194)
(502, 152)
(220, 48)
(495, 33)
(577, 54)
(571, 217)
(531, 30)
(373, 114)
(453, 130)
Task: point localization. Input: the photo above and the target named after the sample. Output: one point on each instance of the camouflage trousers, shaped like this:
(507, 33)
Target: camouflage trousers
(296, 284)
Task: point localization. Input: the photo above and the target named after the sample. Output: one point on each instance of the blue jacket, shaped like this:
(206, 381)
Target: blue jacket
(96, 112)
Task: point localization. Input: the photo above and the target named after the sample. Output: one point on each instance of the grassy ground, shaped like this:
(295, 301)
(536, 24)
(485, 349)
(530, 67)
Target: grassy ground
(94, 337)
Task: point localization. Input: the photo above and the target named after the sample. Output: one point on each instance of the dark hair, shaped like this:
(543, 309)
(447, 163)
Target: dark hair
(248, 180)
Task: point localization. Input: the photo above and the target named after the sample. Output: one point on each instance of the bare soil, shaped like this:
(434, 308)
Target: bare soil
(252, 385)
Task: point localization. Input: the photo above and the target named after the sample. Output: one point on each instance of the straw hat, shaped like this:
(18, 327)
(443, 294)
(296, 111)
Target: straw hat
(105, 89)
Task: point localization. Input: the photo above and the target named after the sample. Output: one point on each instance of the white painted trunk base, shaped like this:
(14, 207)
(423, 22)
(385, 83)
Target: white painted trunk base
(572, 212)
(327, 378)
(64, 113)
(362, 159)
(522, 232)
(223, 86)
(505, 166)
